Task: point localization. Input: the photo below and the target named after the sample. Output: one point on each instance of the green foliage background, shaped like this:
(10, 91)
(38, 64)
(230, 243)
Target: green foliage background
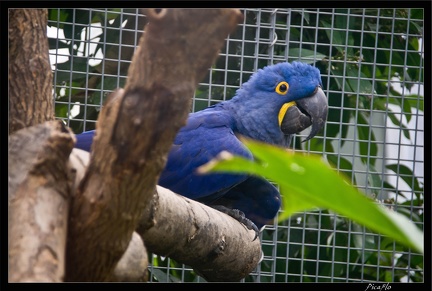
(358, 52)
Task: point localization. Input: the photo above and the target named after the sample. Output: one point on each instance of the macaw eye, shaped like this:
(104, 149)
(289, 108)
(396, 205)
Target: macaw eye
(282, 88)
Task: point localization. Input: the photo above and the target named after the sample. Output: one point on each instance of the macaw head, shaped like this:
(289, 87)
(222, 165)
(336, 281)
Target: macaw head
(280, 100)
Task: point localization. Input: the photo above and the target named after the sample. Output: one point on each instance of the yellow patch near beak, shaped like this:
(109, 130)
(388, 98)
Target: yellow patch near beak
(284, 109)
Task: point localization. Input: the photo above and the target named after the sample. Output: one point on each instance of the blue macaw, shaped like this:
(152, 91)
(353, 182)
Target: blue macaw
(276, 102)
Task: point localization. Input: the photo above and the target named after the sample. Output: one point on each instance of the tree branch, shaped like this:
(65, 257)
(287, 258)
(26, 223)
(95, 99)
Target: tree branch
(135, 131)
(217, 246)
(132, 267)
(30, 76)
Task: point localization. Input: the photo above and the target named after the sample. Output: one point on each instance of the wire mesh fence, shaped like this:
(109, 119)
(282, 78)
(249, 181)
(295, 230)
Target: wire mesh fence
(371, 63)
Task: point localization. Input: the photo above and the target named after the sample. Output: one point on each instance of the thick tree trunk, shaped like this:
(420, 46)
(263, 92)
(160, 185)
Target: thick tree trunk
(135, 131)
(30, 76)
(38, 176)
(39, 181)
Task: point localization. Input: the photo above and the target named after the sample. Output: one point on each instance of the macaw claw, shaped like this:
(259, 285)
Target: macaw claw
(238, 215)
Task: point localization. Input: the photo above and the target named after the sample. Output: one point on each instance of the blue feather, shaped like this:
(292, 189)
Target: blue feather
(85, 140)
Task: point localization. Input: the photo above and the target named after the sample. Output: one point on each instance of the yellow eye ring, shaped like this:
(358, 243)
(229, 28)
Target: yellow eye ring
(282, 88)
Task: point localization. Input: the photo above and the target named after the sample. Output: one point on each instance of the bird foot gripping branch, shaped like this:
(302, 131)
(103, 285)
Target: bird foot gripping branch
(240, 216)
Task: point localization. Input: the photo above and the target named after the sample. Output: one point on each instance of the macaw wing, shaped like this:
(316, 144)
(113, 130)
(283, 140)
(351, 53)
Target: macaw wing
(203, 138)
(85, 140)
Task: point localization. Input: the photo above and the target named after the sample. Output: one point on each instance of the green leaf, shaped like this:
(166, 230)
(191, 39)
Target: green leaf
(368, 147)
(57, 17)
(336, 36)
(309, 56)
(61, 110)
(407, 175)
(359, 84)
(307, 182)
(342, 164)
(417, 13)
(396, 122)
(363, 241)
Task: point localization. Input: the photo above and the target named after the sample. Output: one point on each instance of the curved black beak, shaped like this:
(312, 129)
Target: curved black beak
(304, 113)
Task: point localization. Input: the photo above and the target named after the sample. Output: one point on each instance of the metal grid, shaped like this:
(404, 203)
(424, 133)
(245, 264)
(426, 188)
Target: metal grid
(371, 61)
